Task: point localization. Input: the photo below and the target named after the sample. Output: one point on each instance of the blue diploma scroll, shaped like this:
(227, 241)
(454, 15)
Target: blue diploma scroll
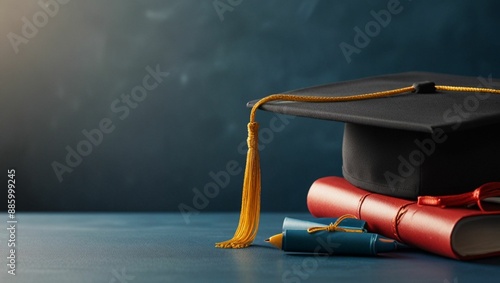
(334, 236)
(341, 243)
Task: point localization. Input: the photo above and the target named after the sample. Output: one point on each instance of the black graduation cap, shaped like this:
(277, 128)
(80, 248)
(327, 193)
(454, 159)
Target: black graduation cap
(425, 142)
(405, 135)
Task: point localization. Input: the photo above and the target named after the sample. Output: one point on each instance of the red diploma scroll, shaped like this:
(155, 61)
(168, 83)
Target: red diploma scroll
(455, 232)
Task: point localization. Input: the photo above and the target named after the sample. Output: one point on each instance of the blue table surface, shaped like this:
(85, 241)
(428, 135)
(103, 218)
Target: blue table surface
(163, 247)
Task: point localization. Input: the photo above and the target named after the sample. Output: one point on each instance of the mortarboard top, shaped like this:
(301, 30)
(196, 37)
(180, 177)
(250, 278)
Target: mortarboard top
(424, 112)
(406, 135)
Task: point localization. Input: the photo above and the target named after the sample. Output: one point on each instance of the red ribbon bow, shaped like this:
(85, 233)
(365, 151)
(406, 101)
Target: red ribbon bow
(466, 199)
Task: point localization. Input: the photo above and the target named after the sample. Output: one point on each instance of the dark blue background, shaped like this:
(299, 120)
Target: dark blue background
(64, 79)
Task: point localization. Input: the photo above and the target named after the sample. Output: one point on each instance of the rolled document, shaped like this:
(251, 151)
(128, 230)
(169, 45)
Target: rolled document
(334, 236)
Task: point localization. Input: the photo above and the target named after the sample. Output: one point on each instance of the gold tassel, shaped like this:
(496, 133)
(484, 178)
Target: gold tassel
(250, 200)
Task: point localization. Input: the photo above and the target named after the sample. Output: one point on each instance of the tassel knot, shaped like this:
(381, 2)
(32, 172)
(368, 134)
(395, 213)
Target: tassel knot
(252, 141)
